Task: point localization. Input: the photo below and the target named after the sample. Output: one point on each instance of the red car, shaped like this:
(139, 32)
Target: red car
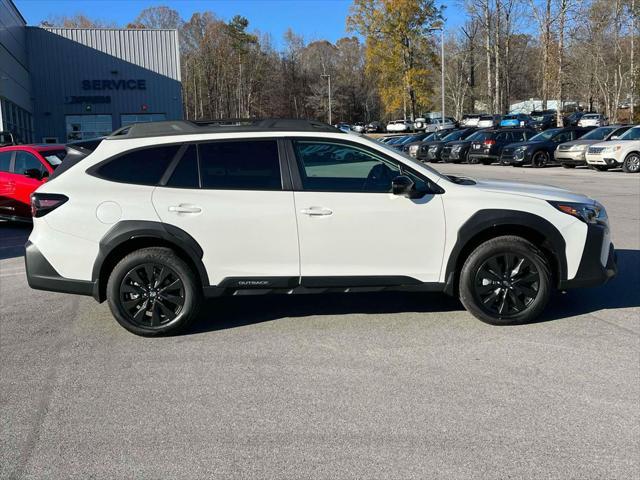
(23, 168)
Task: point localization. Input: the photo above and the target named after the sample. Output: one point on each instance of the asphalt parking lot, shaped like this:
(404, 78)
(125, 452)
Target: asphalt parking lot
(356, 386)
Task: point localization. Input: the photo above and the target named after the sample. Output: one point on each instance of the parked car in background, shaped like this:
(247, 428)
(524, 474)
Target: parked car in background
(437, 124)
(573, 154)
(489, 121)
(470, 120)
(623, 152)
(389, 139)
(593, 120)
(400, 126)
(431, 149)
(456, 151)
(516, 120)
(487, 146)
(412, 148)
(358, 127)
(572, 119)
(539, 150)
(411, 140)
(374, 127)
(23, 168)
(544, 121)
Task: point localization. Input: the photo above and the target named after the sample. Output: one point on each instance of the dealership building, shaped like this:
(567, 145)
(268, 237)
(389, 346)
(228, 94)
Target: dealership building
(64, 84)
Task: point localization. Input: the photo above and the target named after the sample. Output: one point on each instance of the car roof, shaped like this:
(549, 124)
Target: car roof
(33, 147)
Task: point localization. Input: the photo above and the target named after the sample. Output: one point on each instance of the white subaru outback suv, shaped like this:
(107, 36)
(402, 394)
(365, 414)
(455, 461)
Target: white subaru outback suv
(161, 215)
(623, 152)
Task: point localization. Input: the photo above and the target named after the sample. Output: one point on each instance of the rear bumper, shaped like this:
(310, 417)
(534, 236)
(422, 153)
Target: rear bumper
(42, 276)
(598, 263)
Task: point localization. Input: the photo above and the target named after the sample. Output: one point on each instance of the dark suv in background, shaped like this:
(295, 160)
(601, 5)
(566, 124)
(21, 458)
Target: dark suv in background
(539, 151)
(431, 151)
(488, 145)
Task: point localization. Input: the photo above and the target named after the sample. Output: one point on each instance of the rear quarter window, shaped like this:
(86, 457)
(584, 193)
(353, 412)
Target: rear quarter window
(5, 161)
(145, 166)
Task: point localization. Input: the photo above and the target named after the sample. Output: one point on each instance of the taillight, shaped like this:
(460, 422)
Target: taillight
(43, 203)
(489, 142)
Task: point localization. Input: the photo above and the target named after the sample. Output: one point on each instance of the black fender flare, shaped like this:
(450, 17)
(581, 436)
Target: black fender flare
(127, 230)
(484, 221)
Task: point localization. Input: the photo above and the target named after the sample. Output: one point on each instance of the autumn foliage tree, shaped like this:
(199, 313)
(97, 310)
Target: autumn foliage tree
(399, 52)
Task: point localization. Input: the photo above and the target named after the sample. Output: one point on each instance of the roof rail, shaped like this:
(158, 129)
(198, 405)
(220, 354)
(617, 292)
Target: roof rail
(190, 127)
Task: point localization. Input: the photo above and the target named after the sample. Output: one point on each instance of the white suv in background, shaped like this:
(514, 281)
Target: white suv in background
(161, 215)
(623, 152)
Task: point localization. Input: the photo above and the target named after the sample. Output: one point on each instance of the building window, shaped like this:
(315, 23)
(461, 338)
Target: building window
(128, 119)
(85, 127)
(17, 121)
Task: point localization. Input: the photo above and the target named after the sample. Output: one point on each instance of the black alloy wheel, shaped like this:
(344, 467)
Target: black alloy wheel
(506, 284)
(152, 295)
(540, 159)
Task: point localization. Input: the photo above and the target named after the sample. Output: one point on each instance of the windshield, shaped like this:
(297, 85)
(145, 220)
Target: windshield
(632, 134)
(53, 157)
(406, 158)
(457, 135)
(599, 133)
(546, 135)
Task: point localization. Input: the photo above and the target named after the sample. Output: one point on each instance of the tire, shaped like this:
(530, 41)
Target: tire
(631, 163)
(540, 159)
(568, 165)
(526, 292)
(145, 281)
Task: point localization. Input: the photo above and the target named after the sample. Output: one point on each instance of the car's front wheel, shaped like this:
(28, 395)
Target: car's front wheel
(152, 291)
(540, 159)
(505, 281)
(631, 163)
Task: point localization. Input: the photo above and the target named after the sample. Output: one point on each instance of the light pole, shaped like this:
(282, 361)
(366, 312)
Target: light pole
(441, 29)
(328, 77)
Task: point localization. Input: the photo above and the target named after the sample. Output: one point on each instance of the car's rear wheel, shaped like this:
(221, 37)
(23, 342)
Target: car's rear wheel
(505, 281)
(152, 291)
(540, 159)
(631, 163)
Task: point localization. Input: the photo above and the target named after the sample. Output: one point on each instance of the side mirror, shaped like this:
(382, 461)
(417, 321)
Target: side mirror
(402, 185)
(33, 173)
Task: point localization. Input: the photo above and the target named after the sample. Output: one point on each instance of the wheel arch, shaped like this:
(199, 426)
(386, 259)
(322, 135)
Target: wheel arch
(487, 224)
(127, 236)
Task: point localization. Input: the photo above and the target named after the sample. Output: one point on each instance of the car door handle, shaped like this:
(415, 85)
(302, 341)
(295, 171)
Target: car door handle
(185, 208)
(316, 211)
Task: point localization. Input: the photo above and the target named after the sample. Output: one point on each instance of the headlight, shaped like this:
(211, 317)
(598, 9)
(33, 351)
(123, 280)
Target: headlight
(413, 148)
(433, 148)
(578, 148)
(587, 212)
(615, 148)
(456, 148)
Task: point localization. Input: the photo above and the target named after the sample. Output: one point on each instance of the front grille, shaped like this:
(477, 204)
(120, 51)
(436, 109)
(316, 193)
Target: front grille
(596, 150)
(446, 152)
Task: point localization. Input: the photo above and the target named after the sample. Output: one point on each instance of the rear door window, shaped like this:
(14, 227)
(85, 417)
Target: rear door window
(242, 165)
(185, 174)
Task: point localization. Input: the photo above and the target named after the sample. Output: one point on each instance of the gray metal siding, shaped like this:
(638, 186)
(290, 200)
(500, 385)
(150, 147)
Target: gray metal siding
(15, 84)
(155, 50)
(61, 58)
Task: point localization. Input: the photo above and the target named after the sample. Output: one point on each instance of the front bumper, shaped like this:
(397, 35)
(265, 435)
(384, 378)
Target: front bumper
(42, 276)
(570, 157)
(598, 263)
